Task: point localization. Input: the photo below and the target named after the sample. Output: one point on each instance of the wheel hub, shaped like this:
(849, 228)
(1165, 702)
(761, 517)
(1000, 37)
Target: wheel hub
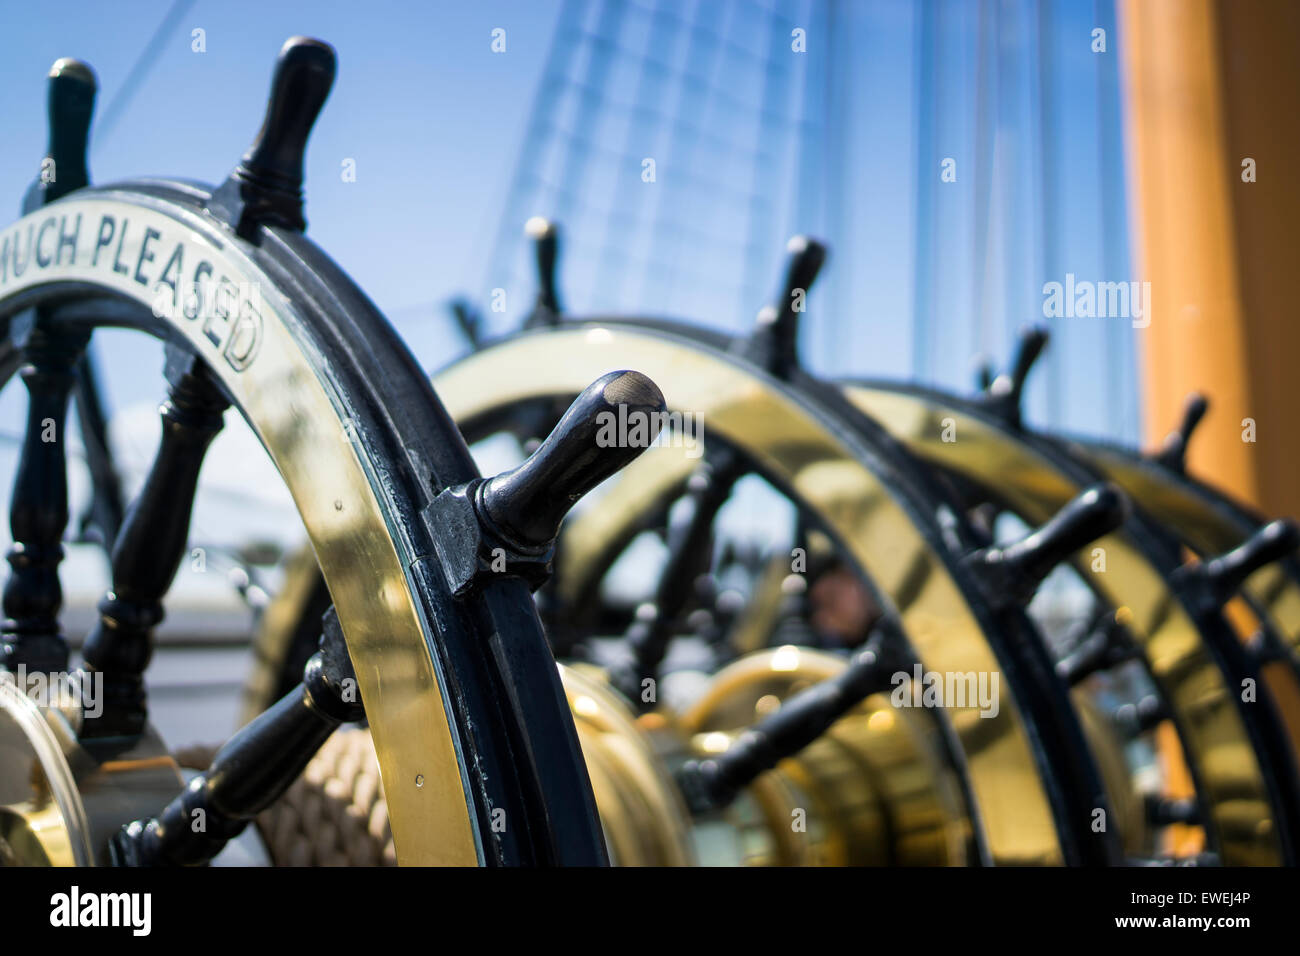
(60, 801)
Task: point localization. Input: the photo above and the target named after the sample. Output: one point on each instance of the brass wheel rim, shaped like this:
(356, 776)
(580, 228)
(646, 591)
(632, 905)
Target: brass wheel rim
(1012, 808)
(335, 487)
(1220, 749)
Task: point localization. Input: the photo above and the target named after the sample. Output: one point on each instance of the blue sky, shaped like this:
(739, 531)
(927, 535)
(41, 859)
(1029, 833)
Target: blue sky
(842, 140)
(432, 117)
(755, 141)
(438, 125)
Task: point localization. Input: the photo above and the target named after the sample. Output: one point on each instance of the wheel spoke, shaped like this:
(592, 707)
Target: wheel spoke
(689, 551)
(150, 547)
(38, 512)
(1173, 453)
(1214, 581)
(1003, 395)
(546, 247)
(1105, 644)
(773, 347)
(254, 768)
(1012, 574)
(713, 783)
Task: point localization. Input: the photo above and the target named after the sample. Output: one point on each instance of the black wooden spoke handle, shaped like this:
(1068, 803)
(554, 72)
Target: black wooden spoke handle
(253, 769)
(773, 345)
(38, 512)
(508, 523)
(612, 422)
(266, 186)
(1010, 574)
(1173, 453)
(546, 248)
(1215, 580)
(150, 546)
(714, 782)
(1004, 394)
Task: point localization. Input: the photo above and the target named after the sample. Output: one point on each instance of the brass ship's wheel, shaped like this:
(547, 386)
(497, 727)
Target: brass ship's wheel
(445, 660)
(1036, 777)
(1211, 524)
(1231, 705)
(1185, 718)
(822, 697)
(1153, 662)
